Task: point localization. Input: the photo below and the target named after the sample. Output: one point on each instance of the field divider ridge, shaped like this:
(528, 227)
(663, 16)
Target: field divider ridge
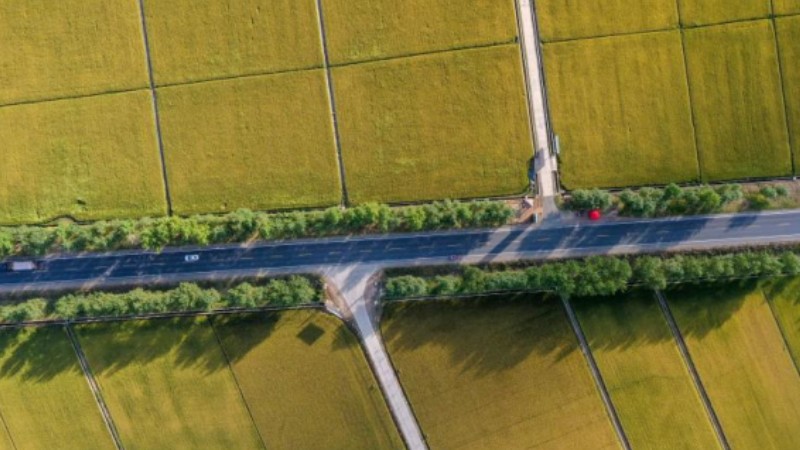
(156, 112)
(332, 99)
(781, 330)
(786, 112)
(698, 154)
(93, 386)
(235, 380)
(693, 373)
(596, 375)
(8, 431)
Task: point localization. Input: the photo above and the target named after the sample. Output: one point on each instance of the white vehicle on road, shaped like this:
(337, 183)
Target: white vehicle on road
(191, 258)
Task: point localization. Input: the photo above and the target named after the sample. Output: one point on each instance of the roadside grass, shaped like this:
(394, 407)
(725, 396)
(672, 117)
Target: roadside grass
(567, 19)
(705, 12)
(45, 400)
(270, 145)
(739, 353)
(89, 158)
(786, 7)
(67, 48)
(502, 372)
(451, 125)
(192, 41)
(738, 101)
(306, 381)
(621, 108)
(788, 29)
(784, 294)
(649, 383)
(167, 384)
(377, 29)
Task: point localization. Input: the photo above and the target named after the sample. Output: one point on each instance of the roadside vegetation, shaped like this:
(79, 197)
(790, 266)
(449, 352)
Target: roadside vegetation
(187, 297)
(596, 276)
(673, 200)
(245, 226)
(306, 381)
(504, 372)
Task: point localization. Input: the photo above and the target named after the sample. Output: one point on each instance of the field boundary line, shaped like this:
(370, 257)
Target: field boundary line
(689, 362)
(697, 153)
(461, 48)
(8, 431)
(235, 379)
(93, 386)
(73, 97)
(595, 370)
(332, 102)
(156, 112)
(786, 111)
(781, 330)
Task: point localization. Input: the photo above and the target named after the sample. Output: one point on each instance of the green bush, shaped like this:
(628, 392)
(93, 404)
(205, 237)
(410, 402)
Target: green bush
(598, 276)
(295, 290)
(244, 225)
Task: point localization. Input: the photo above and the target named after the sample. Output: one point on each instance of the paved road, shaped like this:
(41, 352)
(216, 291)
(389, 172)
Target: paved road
(433, 248)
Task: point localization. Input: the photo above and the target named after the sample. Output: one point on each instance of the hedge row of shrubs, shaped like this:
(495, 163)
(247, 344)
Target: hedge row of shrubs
(292, 291)
(672, 200)
(598, 276)
(245, 225)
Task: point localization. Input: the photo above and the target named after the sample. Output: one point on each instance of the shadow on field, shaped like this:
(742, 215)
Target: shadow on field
(36, 354)
(481, 335)
(699, 310)
(623, 321)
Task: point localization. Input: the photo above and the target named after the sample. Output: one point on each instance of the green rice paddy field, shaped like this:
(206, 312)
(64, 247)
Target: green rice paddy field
(722, 87)
(238, 93)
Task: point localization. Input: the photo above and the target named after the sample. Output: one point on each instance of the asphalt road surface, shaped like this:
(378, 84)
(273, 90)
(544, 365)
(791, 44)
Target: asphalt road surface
(400, 249)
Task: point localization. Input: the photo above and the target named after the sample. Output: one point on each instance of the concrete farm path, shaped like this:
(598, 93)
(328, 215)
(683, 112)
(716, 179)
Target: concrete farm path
(355, 296)
(545, 161)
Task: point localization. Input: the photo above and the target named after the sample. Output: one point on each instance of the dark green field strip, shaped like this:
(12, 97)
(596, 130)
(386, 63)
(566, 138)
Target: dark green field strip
(650, 387)
(788, 31)
(306, 381)
(501, 372)
(740, 355)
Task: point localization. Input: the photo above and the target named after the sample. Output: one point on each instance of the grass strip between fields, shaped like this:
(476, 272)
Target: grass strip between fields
(740, 355)
(167, 384)
(44, 398)
(649, 385)
(306, 381)
(737, 99)
(502, 372)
